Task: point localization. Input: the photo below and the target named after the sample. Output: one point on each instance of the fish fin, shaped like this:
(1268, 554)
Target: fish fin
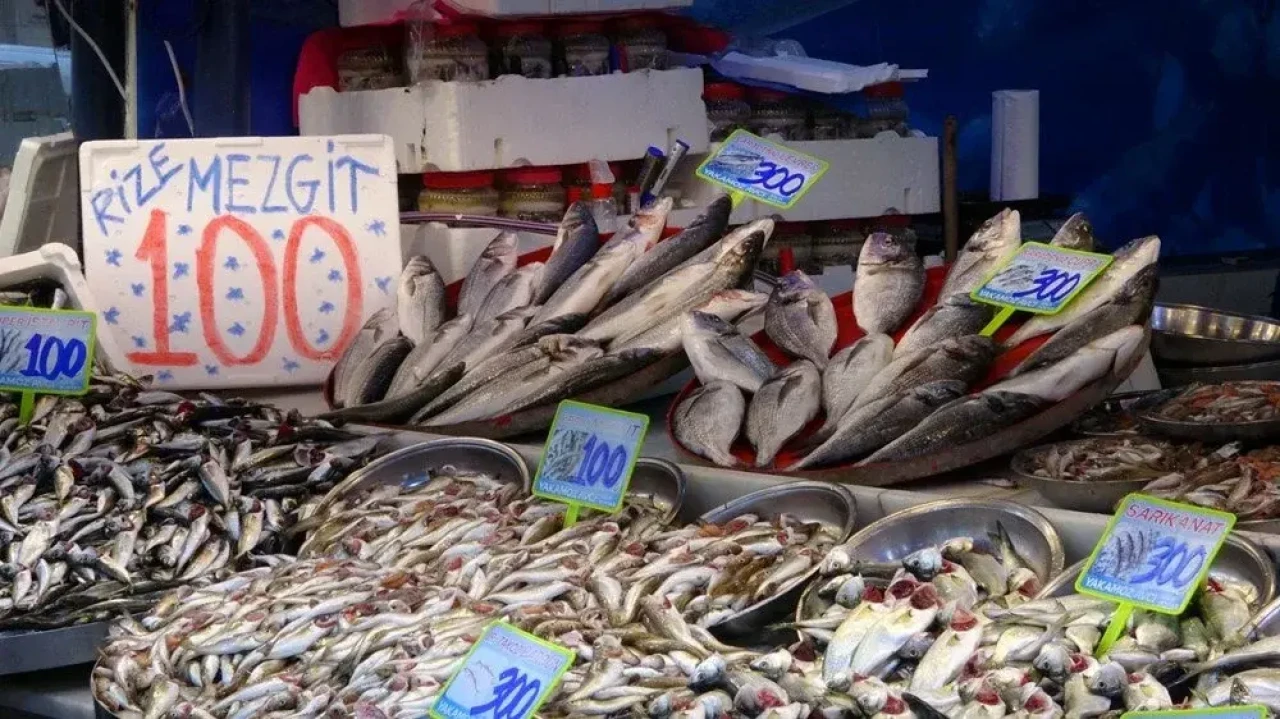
(1240, 693)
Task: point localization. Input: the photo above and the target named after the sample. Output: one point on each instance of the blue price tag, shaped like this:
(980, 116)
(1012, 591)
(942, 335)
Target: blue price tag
(1041, 278)
(1155, 553)
(766, 171)
(46, 351)
(590, 454)
(508, 674)
(1246, 711)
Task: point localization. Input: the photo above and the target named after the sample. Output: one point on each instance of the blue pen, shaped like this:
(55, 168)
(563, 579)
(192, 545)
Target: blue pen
(650, 168)
(677, 153)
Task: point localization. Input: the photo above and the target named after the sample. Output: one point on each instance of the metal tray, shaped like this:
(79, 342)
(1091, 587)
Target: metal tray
(820, 502)
(1123, 402)
(1178, 376)
(1198, 336)
(1240, 559)
(30, 651)
(901, 533)
(1094, 496)
(1263, 431)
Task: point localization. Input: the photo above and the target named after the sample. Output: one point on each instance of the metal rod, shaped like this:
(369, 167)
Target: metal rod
(950, 206)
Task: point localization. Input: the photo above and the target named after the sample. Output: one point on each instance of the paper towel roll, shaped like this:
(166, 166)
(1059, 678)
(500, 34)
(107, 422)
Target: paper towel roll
(1015, 144)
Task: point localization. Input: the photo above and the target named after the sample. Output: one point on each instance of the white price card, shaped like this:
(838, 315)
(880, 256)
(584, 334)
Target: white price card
(508, 674)
(239, 261)
(1041, 278)
(590, 454)
(1154, 553)
(774, 174)
(46, 351)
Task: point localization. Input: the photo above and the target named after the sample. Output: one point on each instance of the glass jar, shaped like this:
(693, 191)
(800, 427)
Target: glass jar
(837, 242)
(641, 44)
(368, 68)
(522, 48)
(462, 193)
(532, 193)
(788, 235)
(584, 49)
(450, 53)
(827, 123)
(884, 108)
(777, 115)
(579, 176)
(727, 109)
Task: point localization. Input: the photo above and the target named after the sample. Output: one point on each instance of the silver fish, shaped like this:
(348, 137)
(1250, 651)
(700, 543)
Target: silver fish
(402, 406)
(419, 299)
(889, 283)
(781, 408)
(668, 254)
(800, 318)
(707, 421)
(728, 305)
(1075, 234)
(380, 326)
(425, 357)
(962, 358)
(989, 247)
(512, 292)
(577, 239)
(591, 374)
(371, 378)
(955, 316)
(1093, 361)
(718, 351)
(496, 261)
(965, 420)
(486, 337)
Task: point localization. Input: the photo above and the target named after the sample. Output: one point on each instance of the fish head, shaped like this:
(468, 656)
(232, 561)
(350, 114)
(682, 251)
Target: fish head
(1141, 287)
(1140, 252)
(883, 248)
(925, 596)
(417, 266)
(705, 323)
(742, 249)
(501, 246)
(1107, 679)
(650, 220)
(936, 394)
(997, 234)
(1053, 660)
(735, 303)
(924, 563)
(1076, 233)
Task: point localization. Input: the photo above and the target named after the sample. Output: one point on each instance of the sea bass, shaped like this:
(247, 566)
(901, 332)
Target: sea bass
(419, 364)
(511, 292)
(849, 372)
(671, 252)
(577, 239)
(955, 316)
(1075, 234)
(961, 358)
(381, 326)
(889, 283)
(728, 305)
(496, 261)
(965, 420)
(1058, 381)
(419, 299)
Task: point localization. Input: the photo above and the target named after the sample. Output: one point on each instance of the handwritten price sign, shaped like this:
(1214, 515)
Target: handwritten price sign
(774, 174)
(1041, 278)
(239, 261)
(1154, 553)
(590, 454)
(508, 674)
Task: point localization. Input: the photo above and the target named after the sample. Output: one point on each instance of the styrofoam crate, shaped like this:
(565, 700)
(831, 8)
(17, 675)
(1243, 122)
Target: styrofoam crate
(514, 120)
(44, 201)
(371, 12)
(868, 178)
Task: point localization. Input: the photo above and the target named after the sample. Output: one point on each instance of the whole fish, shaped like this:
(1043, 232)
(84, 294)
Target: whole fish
(849, 372)
(497, 260)
(718, 351)
(965, 420)
(512, 292)
(400, 407)
(1129, 261)
(419, 299)
(1130, 306)
(989, 247)
(490, 369)
(380, 326)
(591, 374)
(955, 316)
(584, 289)
(371, 378)
(889, 283)
(850, 634)
(1075, 234)
(562, 325)
(577, 239)
(781, 408)
(728, 305)
(707, 421)
(425, 357)
(800, 318)
(961, 358)
(486, 338)
(1093, 361)
(869, 427)
(947, 656)
(894, 629)
(668, 254)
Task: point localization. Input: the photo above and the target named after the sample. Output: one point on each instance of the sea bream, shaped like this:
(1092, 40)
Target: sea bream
(718, 351)
(800, 318)
(708, 420)
(782, 407)
(888, 284)
(848, 373)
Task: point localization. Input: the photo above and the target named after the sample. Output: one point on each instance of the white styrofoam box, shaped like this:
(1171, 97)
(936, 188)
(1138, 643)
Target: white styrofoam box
(453, 250)
(514, 120)
(371, 12)
(239, 262)
(59, 263)
(43, 204)
(867, 178)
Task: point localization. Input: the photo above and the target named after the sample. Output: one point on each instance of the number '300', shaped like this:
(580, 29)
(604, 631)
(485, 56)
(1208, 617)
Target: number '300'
(1171, 561)
(771, 176)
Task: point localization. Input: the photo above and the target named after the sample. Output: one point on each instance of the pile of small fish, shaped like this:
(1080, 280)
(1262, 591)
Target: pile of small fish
(1247, 485)
(883, 402)
(532, 335)
(1106, 459)
(110, 498)
(1224, 403)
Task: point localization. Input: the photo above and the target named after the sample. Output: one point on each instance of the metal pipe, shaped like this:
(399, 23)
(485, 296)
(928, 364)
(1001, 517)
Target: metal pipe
(222, 78)
(950, 208)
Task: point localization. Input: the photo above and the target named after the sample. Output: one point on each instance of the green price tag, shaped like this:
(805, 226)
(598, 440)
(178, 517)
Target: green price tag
(507, 674)
(590, 454)
(1153, 554)
(748, 165)
(1244, 711)
(45, 351)
(1039, 278)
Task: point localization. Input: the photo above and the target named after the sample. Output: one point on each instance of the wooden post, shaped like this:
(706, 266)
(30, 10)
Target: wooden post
(950, 207)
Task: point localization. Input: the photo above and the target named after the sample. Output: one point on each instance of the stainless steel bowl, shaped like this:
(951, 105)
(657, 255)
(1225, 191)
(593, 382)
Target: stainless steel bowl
(661, 480)
(1241, 559)
(1191, 335)
(28, 651)
(1179, 376)
(828, 504)
(1092, 496)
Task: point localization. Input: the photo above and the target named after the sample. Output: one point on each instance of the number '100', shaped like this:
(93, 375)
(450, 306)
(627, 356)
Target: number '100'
(154, 249)
(601, 464)
(51, 358)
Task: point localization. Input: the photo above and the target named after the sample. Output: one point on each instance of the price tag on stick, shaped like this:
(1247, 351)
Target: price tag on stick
(748, 165)
(1245, 711)
(590, 455)
(45, 351)
(508, 674)
(1154, 554)
(1039, 278)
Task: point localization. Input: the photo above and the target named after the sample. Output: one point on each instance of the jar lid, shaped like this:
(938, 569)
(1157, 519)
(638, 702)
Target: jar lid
(457, 180)
(580, 27)
(723, 91)
(883, 90)
(764, 94)
(515, 29)
(455, 29)
(600, 192)
(638, 22)
(573, 193)
(790, 228)
(532, 175)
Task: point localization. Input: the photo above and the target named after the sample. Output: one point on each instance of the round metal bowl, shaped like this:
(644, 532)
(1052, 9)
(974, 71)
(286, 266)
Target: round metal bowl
(1240, 559)
(1121, 402)
(28, 651)
(1261, 431)
(1093, 496)
(899, 534)
(1192, 335)
(661, 480)
(1178, 376)
(828, 504)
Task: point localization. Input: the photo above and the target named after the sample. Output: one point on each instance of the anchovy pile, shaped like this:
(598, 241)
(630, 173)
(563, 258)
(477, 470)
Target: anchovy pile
(532, 335)
(109, 498)
(880, 401)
